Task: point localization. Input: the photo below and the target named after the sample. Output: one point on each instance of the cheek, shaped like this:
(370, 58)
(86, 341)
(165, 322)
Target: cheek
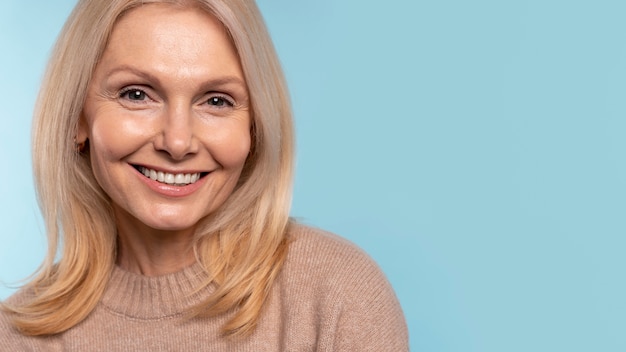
(239, 148)
(115, 138)
(111, 140)
(231, 146)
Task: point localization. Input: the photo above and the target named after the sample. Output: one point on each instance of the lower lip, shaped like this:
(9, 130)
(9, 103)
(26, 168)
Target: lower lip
(172, 191)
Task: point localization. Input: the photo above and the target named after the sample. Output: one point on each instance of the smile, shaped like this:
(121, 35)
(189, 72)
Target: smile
(168, 178)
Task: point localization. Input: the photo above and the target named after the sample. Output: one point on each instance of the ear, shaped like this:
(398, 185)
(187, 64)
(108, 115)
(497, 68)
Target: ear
(82, 130)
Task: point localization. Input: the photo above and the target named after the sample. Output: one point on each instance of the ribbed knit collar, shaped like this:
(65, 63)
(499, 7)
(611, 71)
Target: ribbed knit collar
(144, 297)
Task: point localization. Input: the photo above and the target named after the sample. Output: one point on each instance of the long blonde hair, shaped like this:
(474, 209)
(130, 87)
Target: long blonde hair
(242, 245)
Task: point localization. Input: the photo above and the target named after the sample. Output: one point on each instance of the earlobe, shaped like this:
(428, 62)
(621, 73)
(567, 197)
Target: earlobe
(80, 139)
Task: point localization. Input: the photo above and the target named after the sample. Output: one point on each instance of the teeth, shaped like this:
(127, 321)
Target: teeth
(171, 179)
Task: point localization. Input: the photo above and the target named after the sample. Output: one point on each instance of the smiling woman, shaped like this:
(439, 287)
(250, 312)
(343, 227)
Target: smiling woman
(163, 156)
(162, 103)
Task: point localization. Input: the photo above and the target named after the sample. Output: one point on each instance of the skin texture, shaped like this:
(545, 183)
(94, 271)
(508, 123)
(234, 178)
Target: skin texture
(169, 94)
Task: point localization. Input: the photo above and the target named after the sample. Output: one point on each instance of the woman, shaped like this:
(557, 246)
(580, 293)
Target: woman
(163, 156)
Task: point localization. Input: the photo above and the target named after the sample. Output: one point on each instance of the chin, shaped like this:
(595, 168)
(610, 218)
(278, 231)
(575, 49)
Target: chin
(173, 226)
(170, 222)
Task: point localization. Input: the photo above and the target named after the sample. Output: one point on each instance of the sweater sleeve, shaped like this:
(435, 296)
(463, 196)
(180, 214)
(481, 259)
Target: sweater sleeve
(12, 340)
(354, 304)
(369, 315)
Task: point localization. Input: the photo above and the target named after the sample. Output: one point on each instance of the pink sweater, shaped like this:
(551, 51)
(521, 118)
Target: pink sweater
(330, 296)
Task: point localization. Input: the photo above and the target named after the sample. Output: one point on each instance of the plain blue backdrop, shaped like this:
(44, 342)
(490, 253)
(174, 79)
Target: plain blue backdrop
(473, 148)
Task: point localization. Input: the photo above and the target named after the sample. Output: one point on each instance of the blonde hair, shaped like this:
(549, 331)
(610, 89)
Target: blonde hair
(242, 245)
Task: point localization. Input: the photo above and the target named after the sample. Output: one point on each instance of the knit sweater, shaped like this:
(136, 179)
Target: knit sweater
(330, 296)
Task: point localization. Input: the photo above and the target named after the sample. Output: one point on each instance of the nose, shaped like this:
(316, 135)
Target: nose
(177, 137)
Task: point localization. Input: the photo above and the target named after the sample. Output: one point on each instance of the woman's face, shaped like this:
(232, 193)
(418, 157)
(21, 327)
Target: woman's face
(167, 118)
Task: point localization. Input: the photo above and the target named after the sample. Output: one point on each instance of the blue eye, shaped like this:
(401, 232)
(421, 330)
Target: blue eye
(134, 94)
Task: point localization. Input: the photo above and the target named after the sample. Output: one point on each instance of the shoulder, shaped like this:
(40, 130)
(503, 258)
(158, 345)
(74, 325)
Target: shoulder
(10, 338)
(343, 283)
(332, 263)
(329, 260)
(317, 246)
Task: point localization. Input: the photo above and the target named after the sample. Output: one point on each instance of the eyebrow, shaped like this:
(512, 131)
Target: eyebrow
(220, 81)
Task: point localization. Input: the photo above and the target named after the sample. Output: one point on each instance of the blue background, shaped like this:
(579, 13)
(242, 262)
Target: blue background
(473, 148)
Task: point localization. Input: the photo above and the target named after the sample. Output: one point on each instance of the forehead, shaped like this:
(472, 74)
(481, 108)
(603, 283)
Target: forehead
(168, 24)
(164, 37)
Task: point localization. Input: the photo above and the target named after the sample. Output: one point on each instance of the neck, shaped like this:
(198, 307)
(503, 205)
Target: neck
(151, 252)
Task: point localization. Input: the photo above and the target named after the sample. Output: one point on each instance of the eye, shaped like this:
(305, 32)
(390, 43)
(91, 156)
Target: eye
(219, 101)
(133, 94)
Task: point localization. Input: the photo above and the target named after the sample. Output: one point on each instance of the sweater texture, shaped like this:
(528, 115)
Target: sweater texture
(330, 296)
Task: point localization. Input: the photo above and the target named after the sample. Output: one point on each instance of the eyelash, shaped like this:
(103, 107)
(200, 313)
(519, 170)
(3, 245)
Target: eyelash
(125, 91)
(223, 98)
(227, 101)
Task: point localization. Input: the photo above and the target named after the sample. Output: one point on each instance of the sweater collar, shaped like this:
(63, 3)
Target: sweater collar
(144, 297)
